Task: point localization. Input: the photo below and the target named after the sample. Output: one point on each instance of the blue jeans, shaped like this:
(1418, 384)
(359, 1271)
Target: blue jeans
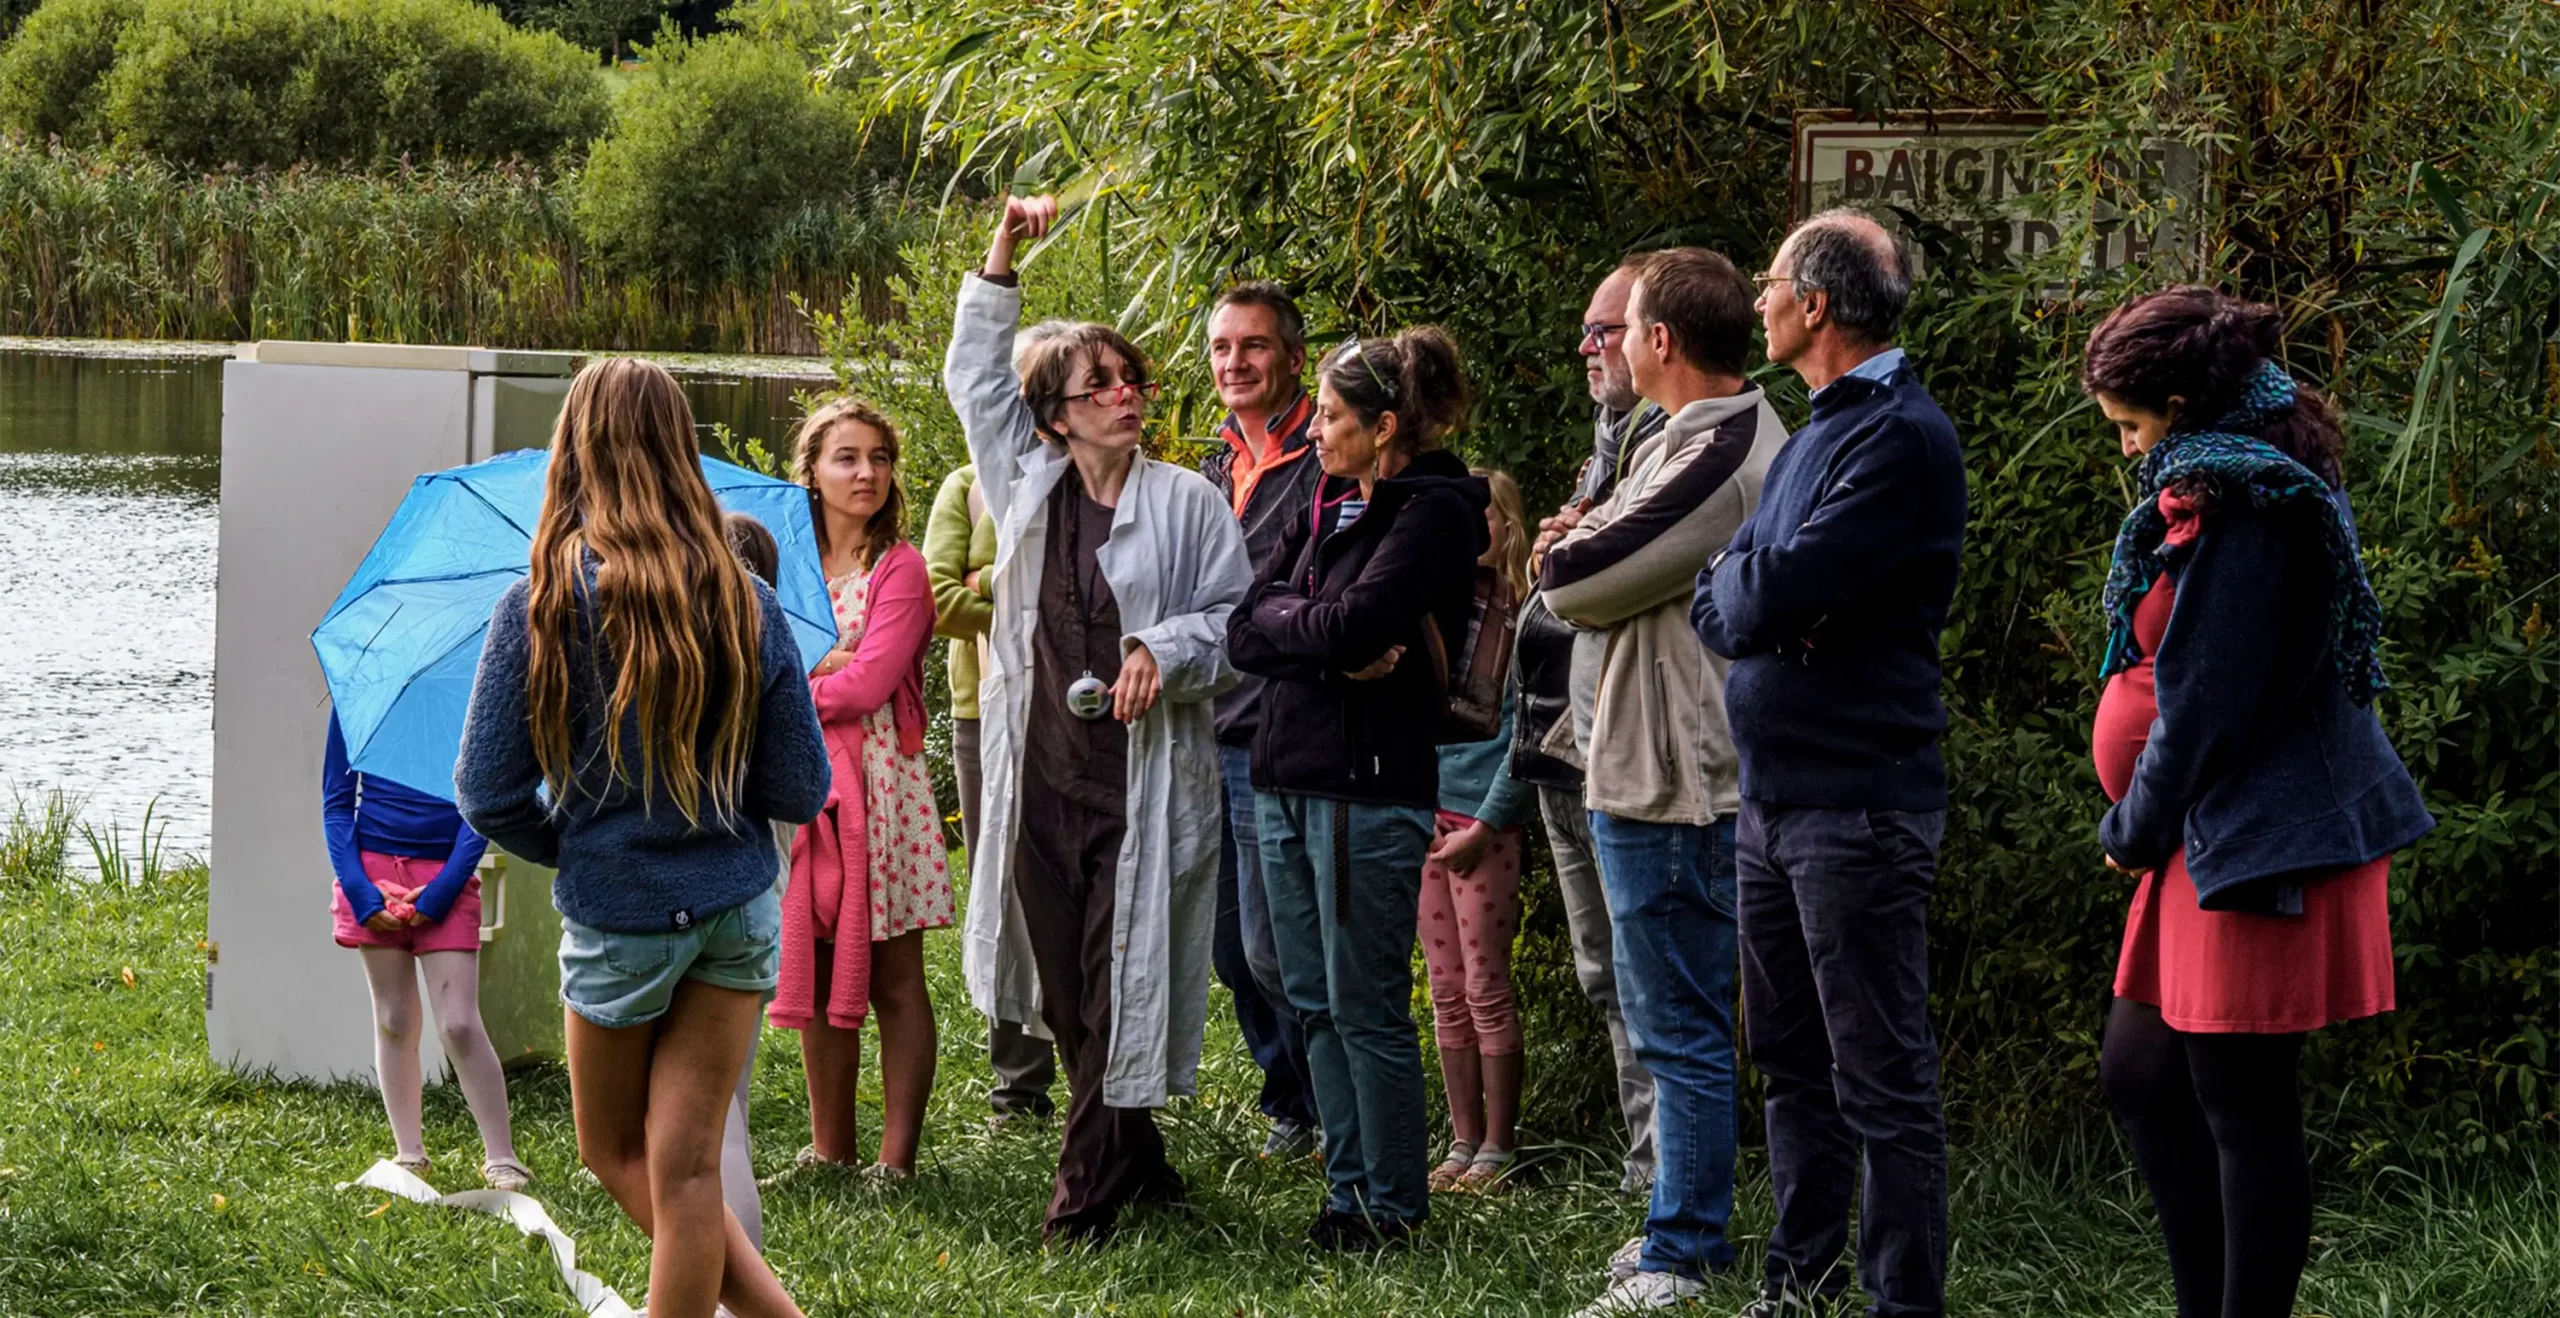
(1835, 975)
(619, 980)
(1253, 907)
(1251, 974)
(1671, 906)
(1345, 884)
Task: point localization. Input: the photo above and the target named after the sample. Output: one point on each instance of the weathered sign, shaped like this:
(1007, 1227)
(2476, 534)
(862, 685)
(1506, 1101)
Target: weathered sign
(1978, 175)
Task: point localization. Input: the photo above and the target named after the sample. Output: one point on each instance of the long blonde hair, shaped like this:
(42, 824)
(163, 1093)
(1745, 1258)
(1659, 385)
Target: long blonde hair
(888, 524)
(1511, 552)
(675, 615)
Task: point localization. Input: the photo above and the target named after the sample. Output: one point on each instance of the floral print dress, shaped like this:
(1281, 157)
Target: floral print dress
(910, 884)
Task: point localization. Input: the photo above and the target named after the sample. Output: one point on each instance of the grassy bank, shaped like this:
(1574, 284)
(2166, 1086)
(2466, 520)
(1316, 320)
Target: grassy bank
(138, 1178)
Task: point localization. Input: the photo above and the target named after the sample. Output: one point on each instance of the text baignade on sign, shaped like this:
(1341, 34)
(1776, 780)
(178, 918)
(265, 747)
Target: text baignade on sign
(1977, 182)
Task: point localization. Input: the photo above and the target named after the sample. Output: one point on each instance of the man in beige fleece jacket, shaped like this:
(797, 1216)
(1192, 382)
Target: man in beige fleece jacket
(1663, 783)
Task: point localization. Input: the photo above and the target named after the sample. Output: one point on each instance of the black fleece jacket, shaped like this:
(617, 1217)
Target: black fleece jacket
(1280, 500)
(1344, 600)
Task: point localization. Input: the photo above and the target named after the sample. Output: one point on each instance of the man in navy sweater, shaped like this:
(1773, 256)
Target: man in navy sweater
(1829, 601)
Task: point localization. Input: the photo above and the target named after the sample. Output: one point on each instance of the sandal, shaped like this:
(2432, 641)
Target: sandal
(803, 1163)
(1445, 1176)
(505, 1174)
(1485, 1173)
(880, 1176)
(418, 1166)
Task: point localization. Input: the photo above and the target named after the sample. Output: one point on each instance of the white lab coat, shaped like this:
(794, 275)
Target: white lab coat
(1177, 567)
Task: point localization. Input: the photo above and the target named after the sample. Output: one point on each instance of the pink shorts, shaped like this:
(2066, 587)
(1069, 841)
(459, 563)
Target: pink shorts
(459, 931)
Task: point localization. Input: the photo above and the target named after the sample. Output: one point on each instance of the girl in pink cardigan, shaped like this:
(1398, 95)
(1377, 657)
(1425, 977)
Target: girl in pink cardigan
(867, 877)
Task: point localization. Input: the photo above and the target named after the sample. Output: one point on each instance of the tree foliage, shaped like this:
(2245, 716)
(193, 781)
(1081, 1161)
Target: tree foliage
(270, 83)
(1481, 162)
(601, 26)
(719, 153)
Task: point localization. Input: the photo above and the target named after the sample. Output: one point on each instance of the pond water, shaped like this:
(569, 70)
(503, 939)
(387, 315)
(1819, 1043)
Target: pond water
(110, 477)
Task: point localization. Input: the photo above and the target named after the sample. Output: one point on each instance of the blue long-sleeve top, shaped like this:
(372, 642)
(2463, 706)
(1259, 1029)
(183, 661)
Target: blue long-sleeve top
(367, 812)
(627, 863)
(1475, 776)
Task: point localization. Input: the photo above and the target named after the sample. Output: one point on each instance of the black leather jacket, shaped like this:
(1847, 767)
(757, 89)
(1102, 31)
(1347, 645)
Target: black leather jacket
(1542, 667)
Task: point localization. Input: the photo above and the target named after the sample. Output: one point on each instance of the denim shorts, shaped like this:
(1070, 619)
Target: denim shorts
(618, 980)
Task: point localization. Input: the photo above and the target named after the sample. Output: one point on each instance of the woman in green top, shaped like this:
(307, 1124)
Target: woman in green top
(959, 549)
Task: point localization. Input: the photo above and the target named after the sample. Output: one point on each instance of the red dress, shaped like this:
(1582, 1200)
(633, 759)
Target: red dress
(2224, 972)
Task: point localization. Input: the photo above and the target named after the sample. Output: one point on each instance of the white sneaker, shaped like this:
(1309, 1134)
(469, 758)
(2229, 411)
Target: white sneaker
(1629, 1257)
(1642, 1293)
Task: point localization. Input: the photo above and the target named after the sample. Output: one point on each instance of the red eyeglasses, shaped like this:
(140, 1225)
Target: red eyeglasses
(1115, 394)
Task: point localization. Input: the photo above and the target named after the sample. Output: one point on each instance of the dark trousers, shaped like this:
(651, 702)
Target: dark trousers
(1835, 992)
(1025, 1066)
(1110, 1156)
(2216, 1125)
(1271, 1031)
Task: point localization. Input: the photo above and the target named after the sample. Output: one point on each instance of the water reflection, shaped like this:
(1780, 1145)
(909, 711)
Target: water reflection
(110, 473)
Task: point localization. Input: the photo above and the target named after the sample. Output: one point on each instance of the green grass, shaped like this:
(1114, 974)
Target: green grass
(138, 1178)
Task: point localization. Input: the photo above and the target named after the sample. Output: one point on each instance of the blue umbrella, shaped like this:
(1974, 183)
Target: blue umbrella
(401, 644)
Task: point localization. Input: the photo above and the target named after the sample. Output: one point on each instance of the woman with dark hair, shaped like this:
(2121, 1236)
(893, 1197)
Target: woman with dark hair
(2256, 797)
(1346, 769)
(867, 875)
(1092, 899)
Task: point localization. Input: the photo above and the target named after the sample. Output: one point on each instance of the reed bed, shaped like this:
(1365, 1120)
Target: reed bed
(113, 247)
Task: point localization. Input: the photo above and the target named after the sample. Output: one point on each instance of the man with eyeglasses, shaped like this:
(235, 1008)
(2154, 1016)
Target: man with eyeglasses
(1660, 781)
(1558, 668)
(1265, 466)
(1830, 601)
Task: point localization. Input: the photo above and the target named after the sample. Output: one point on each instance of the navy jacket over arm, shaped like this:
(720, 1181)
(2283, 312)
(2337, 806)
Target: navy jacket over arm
(626, 864)
(2258, 764)
(1830, 600)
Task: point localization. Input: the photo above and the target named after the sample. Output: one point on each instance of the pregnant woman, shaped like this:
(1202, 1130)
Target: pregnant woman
(408, 900)
(2256, 799)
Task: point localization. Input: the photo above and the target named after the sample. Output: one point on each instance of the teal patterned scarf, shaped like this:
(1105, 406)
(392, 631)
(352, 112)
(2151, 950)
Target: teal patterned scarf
(2227, 452)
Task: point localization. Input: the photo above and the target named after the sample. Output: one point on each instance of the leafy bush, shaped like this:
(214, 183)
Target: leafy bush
(269, 83)
(1481, 162)
(719, 156)
(53, 73)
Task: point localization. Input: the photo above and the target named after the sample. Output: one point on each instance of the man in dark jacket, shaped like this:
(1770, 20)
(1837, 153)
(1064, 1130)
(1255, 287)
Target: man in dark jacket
(1830, 601)
(1267, 469)
(1559, 671)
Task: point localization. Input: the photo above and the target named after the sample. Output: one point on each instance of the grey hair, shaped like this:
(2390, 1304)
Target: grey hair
(1868, 282)
(1032, 336)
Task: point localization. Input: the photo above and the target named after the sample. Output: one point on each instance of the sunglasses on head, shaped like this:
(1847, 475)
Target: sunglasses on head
(1386, 383)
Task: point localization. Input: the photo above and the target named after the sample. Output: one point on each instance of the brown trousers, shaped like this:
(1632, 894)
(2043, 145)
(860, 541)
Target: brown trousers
(1110, 1156)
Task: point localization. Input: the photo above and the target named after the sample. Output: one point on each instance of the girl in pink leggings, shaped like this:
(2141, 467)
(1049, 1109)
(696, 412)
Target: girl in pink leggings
(408, 899)
(1470, 912)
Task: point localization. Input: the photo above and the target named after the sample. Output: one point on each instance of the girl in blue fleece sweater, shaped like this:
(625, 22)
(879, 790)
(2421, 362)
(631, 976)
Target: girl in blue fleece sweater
(640, 719)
